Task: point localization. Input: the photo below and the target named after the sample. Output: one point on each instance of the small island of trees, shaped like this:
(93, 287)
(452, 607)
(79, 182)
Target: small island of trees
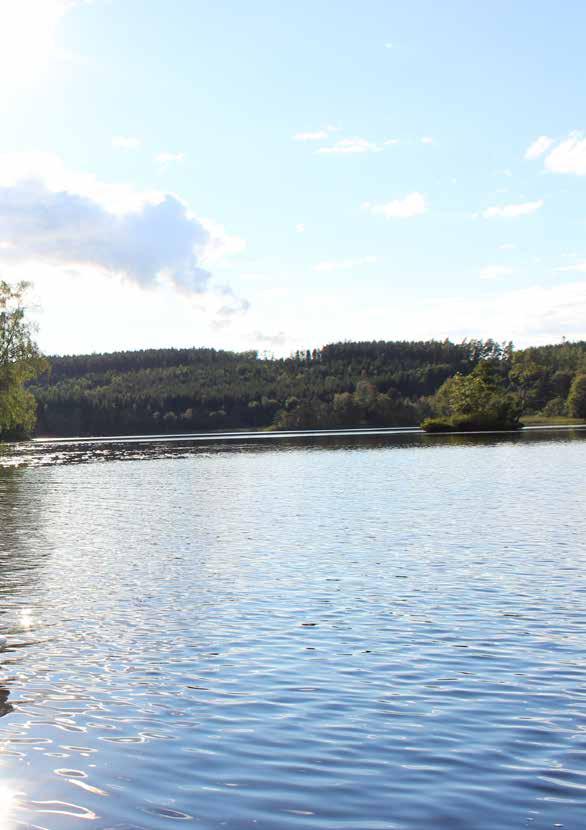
(476, 401)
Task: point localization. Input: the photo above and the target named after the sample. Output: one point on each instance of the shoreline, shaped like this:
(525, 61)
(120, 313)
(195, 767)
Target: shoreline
(275, 434)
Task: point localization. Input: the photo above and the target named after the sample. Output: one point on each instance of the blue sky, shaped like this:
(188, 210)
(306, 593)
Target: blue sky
(274, 176)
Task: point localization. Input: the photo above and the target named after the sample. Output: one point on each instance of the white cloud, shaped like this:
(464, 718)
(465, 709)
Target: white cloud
(569, 156)
(576, 268)
(220, 243)
(125, 142)
(167, 158)
(495, 272)
(414, 204)
(50, 169)
(540, 146)
(427, 139)
(351, 145)
(344, 264)
(391, 141)
(507, 246)
(514, 210)
(300, 228)
(50, 216)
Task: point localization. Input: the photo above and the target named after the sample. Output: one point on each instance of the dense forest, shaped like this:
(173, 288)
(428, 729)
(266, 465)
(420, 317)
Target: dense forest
(341, 384)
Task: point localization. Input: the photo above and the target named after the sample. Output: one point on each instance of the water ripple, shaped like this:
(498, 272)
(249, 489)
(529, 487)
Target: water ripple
(353, 635)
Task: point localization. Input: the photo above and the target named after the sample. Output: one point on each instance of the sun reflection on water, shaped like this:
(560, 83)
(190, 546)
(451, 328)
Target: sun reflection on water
(8, 795)
(26, 619)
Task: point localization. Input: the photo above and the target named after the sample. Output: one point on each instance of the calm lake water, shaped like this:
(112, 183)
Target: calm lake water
(339, 633)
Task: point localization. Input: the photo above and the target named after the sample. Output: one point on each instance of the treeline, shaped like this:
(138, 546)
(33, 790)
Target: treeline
(543, 377)
(342, 384)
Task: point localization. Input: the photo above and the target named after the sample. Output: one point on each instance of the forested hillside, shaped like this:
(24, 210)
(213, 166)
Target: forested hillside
(342, 384)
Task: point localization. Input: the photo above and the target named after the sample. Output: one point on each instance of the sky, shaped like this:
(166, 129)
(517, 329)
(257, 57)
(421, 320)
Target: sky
(271, 176)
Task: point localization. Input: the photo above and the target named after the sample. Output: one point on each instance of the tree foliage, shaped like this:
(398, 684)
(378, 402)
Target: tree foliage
(476, 401)
(375, 383)
(182, 390)
(577, 396)
(20, 361)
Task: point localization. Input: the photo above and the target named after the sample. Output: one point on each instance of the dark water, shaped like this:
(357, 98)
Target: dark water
(332, 633)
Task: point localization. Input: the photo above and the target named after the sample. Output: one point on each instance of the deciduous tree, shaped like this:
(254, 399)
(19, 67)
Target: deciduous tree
(577, 397)
(20, 361)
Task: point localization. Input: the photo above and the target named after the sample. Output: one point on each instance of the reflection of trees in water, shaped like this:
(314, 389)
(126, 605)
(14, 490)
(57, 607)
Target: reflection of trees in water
(23, 550)
(23, 547)
(5, 707)
(22, 499)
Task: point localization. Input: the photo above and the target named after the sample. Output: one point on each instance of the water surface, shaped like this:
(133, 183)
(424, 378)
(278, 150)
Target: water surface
(347, 633)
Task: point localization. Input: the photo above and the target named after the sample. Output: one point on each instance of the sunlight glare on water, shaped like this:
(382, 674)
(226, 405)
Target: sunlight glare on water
(7, 805)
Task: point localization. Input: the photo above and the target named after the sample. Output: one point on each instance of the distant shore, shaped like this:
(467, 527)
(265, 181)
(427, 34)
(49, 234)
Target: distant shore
(236, 435)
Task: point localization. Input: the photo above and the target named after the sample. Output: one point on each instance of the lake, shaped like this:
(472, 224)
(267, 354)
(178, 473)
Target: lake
(348, 632)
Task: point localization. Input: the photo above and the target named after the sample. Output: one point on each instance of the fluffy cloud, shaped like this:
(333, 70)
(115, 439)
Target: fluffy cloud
(540, 146)
(347, 146)
(414, 204)
(569, 156)
(220, 244)
(344, 264)
(50, 216)
(427, 139)
(125, 142)
(512, 211)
